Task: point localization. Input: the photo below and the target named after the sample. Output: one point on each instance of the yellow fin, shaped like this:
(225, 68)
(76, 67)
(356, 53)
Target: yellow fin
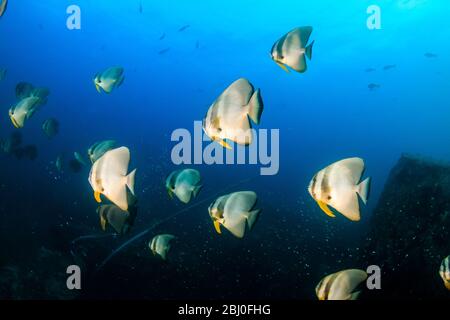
(14, 122)
(103, 223)
(325, 209)
(223, 144)
(170, 193)
(217, 227)
(282, 66)
(97, 87)
(97, 196)
(447, 284)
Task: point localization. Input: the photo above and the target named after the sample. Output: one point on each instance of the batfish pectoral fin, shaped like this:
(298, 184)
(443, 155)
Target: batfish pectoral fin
(170, 193)
(97, 196)
(217, 227)
(103, 223)
(447, 284)
(282, 66)
(325, 209)
(224, 144)
(98, 88)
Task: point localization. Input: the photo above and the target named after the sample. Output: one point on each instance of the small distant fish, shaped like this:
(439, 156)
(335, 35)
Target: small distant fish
(30, 99)
(430, 55)
(109, 79)
(373, 86)
(109, 177)
(10, 144)
(140, 8)
(3, 5)
(389, 66)
(2, 74)
(197, 45)
(185, 184)
(341, 285)
(30, 152)
(160, 245)
(235, 211)
(292, 48)
(228, 118)
(163, 51)
(338, 186)
(162, 36)
(50, 127)
(183, 28)
(370, 70)
(444, 272)
(79, 158)
(59, 163)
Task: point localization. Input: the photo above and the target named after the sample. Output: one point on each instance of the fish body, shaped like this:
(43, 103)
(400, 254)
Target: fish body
(120, 220)
(29, 101)
(373, 86)
(185, 184)
(228, 118)
(109, 79)
(338, 186)
(98, 149)
(444, 272)
(108, 176)
(3, 6)
(341, 285)
(160, 245)
(234, 212)
(292, 49)
(183, 28)
(50, 127)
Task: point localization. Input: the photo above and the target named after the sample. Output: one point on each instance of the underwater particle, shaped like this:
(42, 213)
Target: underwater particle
(30, 99)
(3, 6)
(341, 285)
(183, 28)
(120, 220)
(109, 177)
(160, 245)
(197, 44)
(109, 79)
(100, 148)
(141, 9)
(162, 36)
(430, 55)
(389, 67)
(373, 86)
(290, 50)
(185, 184)
(228, 116)
(368, 70)
(444, 272)
(235, 211)
(50, 127)
(338, 186)
(163, 51)
(3, 74)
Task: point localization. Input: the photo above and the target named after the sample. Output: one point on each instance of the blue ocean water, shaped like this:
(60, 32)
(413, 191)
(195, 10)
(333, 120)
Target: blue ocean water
(324, 115)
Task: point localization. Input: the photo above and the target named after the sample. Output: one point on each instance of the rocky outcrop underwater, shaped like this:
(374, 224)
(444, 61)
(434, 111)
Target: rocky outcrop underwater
(409, 232)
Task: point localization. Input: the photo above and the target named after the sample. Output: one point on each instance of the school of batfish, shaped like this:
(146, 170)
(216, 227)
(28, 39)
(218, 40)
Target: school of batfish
(337, 188)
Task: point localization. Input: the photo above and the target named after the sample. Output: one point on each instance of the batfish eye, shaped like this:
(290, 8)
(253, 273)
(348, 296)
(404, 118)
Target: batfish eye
(219, 129)
(329, 197)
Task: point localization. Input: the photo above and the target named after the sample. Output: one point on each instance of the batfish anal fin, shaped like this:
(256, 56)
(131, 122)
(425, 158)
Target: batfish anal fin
(325, 209)
(282, 66)
(97, 196)
(217, 227)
